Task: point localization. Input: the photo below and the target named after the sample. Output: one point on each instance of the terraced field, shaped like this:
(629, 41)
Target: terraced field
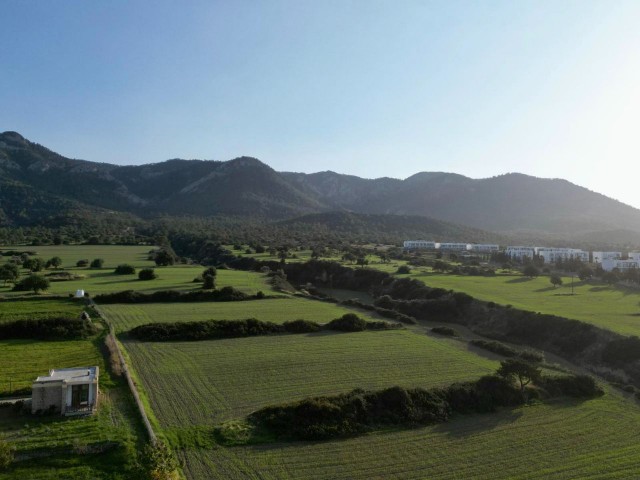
(614, 308)
(595, 439)
(282, 309)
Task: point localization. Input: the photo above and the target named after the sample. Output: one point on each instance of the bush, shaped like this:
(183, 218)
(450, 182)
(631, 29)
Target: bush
(576, 386)
(147, 274)
(32, 282)
(301, 326)
(445, 331)
(403, 269)
(208, 282)
(6, 454)
(349, 322)
(125, 269)
(82, 263)
(97, 263)
(226, 294)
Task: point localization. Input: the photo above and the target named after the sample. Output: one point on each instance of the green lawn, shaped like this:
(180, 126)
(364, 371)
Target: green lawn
(282, 309)
(111, 254)
(614, 308)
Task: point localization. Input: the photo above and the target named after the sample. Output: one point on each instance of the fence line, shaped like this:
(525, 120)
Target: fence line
(125, 369)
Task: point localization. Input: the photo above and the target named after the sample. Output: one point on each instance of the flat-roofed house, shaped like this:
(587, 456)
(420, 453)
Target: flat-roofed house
(419, 245)
(620, 265)
(452, 247)
(68, 391)
(483, 247)
(552, 254)
(599, 257)
(520, 253)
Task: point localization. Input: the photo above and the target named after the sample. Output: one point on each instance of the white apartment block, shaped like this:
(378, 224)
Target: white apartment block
(520, 253)
(621, 265)
(551, 255)
(482, 248)
(452, 247)
(419, 245)
(599, 257)
(634, 256)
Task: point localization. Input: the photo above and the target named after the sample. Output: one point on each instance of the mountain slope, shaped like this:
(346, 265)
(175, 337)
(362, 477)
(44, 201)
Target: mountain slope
(513, 203)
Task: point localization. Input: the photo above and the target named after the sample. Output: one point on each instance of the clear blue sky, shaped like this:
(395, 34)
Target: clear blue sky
(371, 88)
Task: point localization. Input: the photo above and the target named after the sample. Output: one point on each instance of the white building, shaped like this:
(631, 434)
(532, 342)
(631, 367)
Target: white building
(69, 391)
(482, 248)
(452, 247)
(551, 255)
(419, 245)
(621, 265)
(520, 253)
(634, 256)
(598, 257)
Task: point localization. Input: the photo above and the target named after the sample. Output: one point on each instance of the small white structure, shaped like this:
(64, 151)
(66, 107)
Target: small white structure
(79, 293)
(68, 391)
(621, 265)
(482, 248)
(419, 245)
(451, 247)
(520, 253)
(598, 257)
(550, 254)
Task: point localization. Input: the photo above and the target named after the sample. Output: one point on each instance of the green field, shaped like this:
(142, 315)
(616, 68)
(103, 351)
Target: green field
(282, 309)
(594, 439)
(37, 308)
(21, 361)
(610, 307)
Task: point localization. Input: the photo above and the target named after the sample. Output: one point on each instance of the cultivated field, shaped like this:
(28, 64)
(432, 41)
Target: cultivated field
(594, 439)
(610, 307)
(278, 310)
(33, 308)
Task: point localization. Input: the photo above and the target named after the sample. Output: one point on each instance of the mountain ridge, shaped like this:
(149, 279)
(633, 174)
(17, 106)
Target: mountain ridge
(511, 203)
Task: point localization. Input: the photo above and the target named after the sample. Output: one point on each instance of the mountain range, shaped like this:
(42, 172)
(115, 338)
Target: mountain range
(39, 186)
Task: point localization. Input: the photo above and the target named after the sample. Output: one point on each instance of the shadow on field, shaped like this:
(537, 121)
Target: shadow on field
(600, 289)
(565, 294)
(545, 289)
(519, 280)
(466, 425)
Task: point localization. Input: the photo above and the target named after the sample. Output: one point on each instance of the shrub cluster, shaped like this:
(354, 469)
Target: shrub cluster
(445, 331)
(359, 411)
(125, 269)
(47, 329)
(576, 386)
(622, 351)
(507, 351)
(216, 329)
(225, 294)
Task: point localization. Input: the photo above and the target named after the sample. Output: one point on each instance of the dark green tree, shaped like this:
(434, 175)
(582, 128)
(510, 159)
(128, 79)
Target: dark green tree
(147, 274)
(556, 280)
(33, 264)
(54, 262)
(9, 273)
(35, 282)
(521, 370)
(163, 258)
(530, 271)
(208, 282)
(97, 263)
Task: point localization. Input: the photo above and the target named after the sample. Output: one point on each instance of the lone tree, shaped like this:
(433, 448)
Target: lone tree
(33, 264)
(97, 263)
(362, 261)
(208, 282)
(54, 262)
(525, 372)
(35, 283)
(163, 258)
(147, 274)
(530, 271)
(9, 273)
(556, 280)
(585, 273)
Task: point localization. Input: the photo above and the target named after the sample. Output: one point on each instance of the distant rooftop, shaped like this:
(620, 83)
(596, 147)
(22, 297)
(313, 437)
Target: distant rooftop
(71, 375)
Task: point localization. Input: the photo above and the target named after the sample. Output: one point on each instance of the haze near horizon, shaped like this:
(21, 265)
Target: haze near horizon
(370, 89)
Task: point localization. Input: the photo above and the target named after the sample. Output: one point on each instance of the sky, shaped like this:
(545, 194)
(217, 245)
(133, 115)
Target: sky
(369, 88)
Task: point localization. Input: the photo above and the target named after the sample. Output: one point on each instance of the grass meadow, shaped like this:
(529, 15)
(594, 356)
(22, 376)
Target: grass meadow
(611, 307)
(278, 310)
(594, 439)
(39, 308)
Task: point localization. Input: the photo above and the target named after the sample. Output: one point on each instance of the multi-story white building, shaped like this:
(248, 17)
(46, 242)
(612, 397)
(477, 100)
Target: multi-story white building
(634, 256)
(622, 265)
(419, 245)
(550, 254)
(482, 248)
(520, 253)
(452, 247)
(598, 257)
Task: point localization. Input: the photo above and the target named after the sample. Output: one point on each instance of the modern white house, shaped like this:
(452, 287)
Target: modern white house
(68, 391)
(551, 255)
(419, 245)
(482, 248)
(599, 257)
(621, 265)
(520, 253)
(452, 247)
